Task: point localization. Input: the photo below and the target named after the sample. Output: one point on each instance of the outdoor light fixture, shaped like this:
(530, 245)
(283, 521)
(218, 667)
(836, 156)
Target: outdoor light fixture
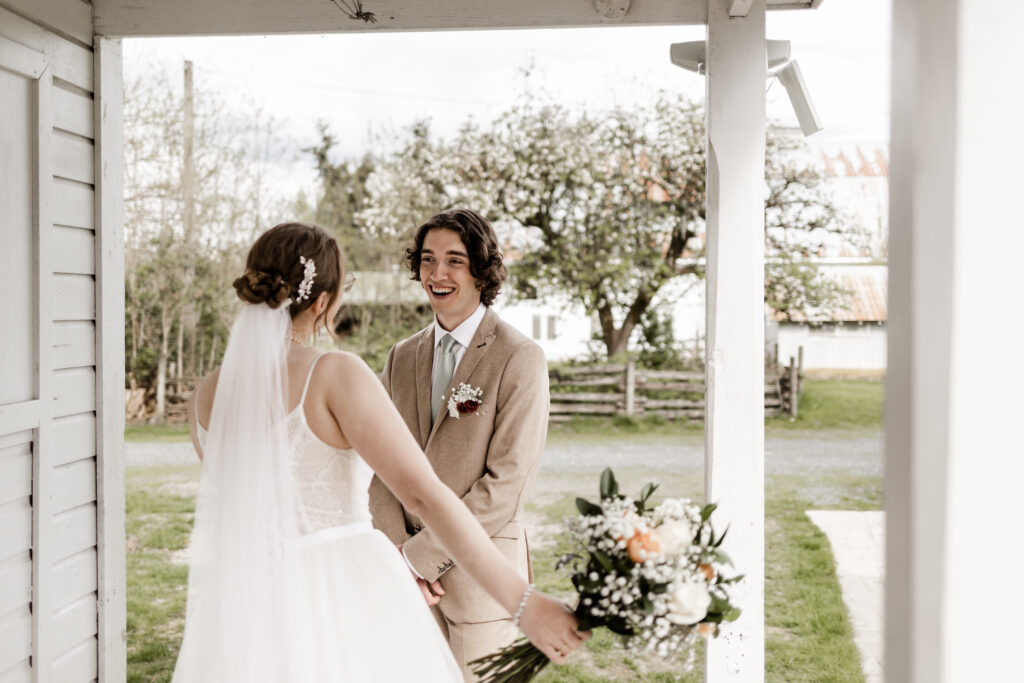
(793, 79)
(692, 56)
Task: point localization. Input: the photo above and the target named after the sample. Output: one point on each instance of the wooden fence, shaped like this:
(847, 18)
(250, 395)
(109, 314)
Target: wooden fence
(625, 389)
(609, 389)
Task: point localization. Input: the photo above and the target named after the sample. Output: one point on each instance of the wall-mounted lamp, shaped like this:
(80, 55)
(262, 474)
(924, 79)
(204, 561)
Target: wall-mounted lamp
(692, 56)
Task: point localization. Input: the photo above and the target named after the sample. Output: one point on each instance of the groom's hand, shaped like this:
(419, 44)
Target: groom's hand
(432, 591)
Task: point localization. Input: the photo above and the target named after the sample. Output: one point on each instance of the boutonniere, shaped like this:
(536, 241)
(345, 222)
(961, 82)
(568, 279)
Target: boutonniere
(464, 399)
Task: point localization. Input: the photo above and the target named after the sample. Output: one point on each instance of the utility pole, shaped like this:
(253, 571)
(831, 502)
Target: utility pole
(188, 186)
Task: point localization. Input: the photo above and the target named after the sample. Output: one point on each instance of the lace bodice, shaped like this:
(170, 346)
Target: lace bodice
(332, 484)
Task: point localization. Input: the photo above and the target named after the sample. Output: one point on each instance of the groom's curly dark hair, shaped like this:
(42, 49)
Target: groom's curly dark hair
(485, 261)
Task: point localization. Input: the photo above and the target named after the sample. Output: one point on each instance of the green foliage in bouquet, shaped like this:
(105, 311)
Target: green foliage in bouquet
(651, 574)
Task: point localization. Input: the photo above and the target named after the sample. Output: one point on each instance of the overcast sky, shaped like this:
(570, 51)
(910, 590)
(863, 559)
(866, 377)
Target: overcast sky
(370, 87)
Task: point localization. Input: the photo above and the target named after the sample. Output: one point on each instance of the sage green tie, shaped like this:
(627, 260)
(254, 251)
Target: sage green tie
(442, 376)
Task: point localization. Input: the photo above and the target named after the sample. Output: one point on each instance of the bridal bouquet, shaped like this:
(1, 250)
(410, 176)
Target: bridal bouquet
(653, 575)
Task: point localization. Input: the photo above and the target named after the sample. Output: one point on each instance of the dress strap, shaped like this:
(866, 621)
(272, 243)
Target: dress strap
(309, 376)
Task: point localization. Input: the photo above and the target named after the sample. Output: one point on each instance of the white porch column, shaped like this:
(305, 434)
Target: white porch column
(954, 445)
(110, 475)
(734, 429)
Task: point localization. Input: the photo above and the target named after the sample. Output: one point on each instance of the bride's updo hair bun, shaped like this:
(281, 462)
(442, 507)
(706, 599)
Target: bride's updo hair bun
(257, 287)
(274, 271)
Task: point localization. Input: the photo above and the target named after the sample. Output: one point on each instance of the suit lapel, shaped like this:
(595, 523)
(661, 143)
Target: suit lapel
(477, 348)
(424, 366)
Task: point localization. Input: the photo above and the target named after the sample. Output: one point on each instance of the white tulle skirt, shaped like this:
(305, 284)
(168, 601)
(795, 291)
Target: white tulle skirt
(355, 614)
(366, 619)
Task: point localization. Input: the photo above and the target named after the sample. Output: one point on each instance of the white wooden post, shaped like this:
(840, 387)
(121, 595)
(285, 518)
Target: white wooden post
(110, 360)
(44, 451)
(734, 428)
(953, 404)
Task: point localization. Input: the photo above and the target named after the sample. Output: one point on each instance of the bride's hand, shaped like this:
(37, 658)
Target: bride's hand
(551, 627)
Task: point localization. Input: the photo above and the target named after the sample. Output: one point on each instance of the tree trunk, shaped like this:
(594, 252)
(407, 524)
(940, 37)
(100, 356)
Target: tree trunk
(616, 340)
(180, 365)
(161, 368)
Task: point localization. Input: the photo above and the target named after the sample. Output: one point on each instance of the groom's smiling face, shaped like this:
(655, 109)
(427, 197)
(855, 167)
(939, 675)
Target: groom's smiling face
(444, 272)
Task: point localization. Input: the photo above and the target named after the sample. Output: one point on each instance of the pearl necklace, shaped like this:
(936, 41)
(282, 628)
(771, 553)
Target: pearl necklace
(300, 342)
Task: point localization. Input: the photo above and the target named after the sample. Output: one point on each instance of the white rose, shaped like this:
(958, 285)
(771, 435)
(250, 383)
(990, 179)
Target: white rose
(688, 603)
(675, 536)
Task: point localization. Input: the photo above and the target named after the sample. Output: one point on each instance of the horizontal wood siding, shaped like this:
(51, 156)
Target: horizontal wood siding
(74, 344)
(70, 18)
(74, 624)
(74, 485)
(19, 674)
(72, 111)
(15, 583)
(15, 528)
(71, 62)
(15, 643)
(15, 472)
(74, 297)
(73, 157)
(74, 251)
(74, 204)
(75, 577)
(74, 531)
(74, 438)
(77, 665)
(48, 593)
(74, 391)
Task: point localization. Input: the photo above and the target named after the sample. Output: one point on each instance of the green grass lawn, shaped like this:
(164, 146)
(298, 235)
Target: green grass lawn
(160, 503)
(157, 433)
(836, 404)
(809, 637)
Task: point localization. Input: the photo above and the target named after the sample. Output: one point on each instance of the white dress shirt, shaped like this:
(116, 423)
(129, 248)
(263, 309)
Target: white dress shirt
(463, 335)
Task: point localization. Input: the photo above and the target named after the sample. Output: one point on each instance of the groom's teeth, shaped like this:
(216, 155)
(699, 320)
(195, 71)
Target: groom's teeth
(438, 290)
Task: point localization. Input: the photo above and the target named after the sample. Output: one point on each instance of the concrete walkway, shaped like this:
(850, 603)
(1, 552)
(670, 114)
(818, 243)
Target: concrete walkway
(858, 546)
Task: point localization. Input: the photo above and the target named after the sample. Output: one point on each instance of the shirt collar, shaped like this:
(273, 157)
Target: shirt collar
(463, 334)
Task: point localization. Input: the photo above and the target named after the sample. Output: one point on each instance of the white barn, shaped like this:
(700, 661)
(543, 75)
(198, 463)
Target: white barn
(956, 143)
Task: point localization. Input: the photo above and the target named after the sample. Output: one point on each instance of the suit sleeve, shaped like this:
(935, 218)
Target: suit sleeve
(513, 457)
(388, 515)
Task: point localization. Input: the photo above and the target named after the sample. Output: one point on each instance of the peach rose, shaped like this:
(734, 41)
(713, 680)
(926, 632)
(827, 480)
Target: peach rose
(643, 546)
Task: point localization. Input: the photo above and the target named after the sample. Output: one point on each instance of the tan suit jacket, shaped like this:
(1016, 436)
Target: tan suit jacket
(489, 458)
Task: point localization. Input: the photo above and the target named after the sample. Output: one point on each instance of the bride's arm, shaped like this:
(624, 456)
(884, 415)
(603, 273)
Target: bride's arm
(373, 426)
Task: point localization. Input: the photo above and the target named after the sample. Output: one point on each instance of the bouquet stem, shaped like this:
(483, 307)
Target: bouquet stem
(517, 663)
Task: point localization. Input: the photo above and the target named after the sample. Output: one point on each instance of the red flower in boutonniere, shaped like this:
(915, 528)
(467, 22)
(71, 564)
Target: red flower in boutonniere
(464, 399)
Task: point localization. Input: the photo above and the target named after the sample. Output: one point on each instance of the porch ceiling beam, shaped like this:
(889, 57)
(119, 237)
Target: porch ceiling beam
(241, 17)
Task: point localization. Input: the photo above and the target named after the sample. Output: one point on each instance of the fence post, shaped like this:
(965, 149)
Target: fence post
(799, 369)
(631, 386)
(794, 395)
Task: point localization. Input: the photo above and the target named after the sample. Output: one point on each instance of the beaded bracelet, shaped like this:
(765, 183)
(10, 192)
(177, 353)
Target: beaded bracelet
(522, 605)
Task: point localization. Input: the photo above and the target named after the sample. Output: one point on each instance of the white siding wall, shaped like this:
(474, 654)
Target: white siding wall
(50, 565)
(563, 331)
(850, 346)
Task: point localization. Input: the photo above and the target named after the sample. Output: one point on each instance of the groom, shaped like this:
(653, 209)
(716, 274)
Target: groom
(488, 455)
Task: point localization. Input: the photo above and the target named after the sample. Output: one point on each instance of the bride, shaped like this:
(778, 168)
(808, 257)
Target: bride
(288, 580)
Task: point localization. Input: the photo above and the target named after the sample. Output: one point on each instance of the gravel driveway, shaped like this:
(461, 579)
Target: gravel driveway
(805, 453)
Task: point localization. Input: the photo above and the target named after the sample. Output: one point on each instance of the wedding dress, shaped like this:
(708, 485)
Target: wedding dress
(337, 603)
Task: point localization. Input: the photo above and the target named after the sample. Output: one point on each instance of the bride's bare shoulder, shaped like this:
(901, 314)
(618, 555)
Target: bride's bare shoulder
(343, 366)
